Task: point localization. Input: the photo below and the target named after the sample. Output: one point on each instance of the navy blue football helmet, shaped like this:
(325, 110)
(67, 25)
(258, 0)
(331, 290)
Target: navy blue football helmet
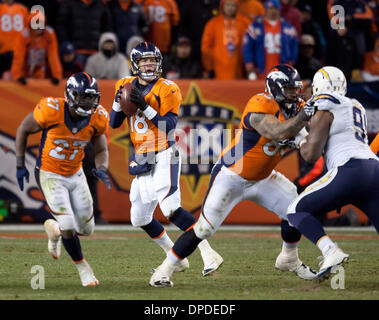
(146, 50)
(281, 77)
(82, 93)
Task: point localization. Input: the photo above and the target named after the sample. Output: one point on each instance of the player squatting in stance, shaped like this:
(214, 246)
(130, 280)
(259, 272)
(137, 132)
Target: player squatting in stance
(338, 129)
(244, 171)
(156, 161)
(67, 126)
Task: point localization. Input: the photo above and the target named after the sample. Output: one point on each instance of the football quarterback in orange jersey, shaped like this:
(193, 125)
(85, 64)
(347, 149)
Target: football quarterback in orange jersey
(155, 161)
(68, 125)
(245, 171)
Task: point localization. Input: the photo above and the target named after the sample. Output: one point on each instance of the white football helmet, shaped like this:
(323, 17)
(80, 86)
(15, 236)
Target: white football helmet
(329, 79)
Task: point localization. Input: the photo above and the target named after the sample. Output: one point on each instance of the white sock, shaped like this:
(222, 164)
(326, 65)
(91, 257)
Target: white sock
(173, 257)
(289, 248)
(164, 241)
(324, 244)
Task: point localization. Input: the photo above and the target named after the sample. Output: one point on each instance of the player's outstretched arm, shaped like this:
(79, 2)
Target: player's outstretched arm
(28, 126)
(272, 128)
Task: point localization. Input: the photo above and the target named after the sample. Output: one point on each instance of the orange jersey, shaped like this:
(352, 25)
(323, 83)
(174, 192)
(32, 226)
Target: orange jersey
(272, 44)
(63, 141)
(33, 53)
(13, 20)
(219, 33)
(251, 155)
(164, 96)
(375, 145)
(162, 15)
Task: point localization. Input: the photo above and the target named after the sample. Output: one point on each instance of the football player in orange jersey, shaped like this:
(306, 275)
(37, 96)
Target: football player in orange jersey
(156, 161)
(68, 125)
(245, 171)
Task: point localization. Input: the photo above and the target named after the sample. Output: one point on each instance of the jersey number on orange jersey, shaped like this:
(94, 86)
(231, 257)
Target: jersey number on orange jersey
(138, 123)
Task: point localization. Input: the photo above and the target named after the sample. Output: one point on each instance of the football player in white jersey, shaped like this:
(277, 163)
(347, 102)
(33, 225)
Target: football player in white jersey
(338, 129)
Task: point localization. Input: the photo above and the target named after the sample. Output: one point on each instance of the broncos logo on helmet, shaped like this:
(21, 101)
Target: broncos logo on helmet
(82, 93)
(281, 77)
(146, 50)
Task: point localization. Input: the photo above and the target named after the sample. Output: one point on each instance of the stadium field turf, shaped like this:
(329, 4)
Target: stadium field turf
(122, 261)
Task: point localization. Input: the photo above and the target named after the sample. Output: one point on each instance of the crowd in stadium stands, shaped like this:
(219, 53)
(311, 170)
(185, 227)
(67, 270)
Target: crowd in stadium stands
(213, 39)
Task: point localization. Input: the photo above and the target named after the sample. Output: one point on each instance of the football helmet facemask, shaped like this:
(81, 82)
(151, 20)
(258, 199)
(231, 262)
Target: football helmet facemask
(146, 50)
(284, 84)
(82, 93)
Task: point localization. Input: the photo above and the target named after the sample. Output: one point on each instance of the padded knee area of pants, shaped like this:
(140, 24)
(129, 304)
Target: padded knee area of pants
(202, 229)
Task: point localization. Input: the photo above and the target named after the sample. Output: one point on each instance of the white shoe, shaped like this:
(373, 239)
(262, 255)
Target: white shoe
(54, 236)
(86, 274)
(212, 261)
(161, 276)
(180, 267)
(333, 258)
(293, 263)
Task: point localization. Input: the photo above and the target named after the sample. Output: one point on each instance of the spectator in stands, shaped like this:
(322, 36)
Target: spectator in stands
(310, 26)
(342, 51)
(291, 14)
(69, 61)
(222, 42)
(82, 22)
(269, 41)
(108, 63)
(35, 52)
(251, 9)
(361, 23)
(181, 65)
(13, 18)
(370, 70)
(307, 64)
(163, 18)
(129, 19)
(194, 15)
(132, 42)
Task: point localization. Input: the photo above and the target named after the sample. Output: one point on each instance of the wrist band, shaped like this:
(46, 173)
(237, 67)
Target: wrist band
(150, 112)
(20, 161)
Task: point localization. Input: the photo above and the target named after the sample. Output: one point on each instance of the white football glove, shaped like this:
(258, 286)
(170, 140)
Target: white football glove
(296, 142)
(301, 138)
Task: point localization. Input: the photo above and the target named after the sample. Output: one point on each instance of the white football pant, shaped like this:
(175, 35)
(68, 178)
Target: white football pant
(160, 185)
(70, 200)
(274, 193)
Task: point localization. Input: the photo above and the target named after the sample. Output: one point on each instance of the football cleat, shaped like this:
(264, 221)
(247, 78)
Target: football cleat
(212, 262)
(180, 267)
(293, 264)
(161, 276)
(55, 239)
(334, 257)
(86, 275)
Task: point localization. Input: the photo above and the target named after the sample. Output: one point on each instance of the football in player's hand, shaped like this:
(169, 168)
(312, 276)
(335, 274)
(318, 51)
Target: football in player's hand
(128, 107)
